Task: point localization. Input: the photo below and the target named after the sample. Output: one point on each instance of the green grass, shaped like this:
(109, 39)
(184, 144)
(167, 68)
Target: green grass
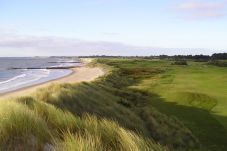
(28, 124)
(110, 98)
(140, 105)
(219, 63)
(195, 94)
(105, 135)
(199, 85)
(20, 127)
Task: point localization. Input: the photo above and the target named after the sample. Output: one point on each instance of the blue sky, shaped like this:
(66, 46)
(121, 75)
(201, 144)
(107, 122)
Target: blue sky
(112, 27)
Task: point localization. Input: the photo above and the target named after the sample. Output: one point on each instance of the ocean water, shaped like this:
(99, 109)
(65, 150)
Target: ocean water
(12, 79)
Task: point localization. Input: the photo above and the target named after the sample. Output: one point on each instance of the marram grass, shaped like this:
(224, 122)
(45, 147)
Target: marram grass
(21, 127)
(103, 135)
(27, 124)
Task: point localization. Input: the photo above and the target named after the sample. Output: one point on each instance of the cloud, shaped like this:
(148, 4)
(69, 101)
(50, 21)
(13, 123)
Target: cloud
(192, 5)
(24, 45)
(50, 45)
(202, 9)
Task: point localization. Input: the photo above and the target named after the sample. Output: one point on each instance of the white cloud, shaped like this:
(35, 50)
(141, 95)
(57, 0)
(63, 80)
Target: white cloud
(65, 46)
(202, 9)
(23, 45)
(193, 5)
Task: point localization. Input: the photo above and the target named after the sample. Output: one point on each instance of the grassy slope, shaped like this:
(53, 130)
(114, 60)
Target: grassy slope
(27, 124)
(112, 98)
(196, 95)
(183, 83)
(108, 98)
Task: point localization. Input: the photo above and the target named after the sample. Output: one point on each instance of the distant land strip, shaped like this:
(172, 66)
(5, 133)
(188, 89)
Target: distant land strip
(68, 67)
(65, 62)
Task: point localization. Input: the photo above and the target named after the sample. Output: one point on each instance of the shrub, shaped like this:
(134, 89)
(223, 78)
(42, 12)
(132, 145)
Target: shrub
(180, 62)
(219, 63)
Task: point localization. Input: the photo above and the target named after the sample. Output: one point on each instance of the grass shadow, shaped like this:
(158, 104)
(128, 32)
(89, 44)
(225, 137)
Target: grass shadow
(202, 123)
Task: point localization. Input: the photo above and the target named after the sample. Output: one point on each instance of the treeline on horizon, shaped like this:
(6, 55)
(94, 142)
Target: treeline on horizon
(215, 56)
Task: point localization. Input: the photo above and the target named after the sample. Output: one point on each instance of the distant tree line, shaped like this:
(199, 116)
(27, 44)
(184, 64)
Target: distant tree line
(107, 56)
(216, 56)
(219, 56)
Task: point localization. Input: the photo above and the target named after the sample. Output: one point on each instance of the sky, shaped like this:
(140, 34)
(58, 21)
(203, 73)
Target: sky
(112, 27)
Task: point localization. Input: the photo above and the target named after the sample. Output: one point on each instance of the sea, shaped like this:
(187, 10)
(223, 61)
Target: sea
(21, 72)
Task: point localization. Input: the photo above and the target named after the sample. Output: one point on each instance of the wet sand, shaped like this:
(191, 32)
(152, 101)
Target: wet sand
(79, 74)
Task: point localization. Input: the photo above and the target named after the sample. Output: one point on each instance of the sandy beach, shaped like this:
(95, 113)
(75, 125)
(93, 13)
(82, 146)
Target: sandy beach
(79, 74)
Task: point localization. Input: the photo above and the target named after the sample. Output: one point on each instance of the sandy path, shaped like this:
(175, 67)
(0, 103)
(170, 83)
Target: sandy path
(79, 74)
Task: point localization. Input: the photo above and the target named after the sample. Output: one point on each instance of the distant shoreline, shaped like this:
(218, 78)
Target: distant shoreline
(34, 85)
(79, 74)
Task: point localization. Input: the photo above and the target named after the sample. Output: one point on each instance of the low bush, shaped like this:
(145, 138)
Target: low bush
(219, 63)
(180, 62)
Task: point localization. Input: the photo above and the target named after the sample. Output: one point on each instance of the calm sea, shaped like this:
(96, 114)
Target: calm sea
(13, 79)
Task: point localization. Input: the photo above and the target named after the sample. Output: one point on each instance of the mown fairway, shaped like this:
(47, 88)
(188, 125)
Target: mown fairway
(196, 94)
(198, 85)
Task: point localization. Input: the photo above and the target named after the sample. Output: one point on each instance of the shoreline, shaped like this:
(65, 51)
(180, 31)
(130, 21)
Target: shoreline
(36, 85)
(79, 74)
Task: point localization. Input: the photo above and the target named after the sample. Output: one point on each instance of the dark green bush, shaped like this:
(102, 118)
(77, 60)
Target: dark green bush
(180, 62)
(219, 63)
